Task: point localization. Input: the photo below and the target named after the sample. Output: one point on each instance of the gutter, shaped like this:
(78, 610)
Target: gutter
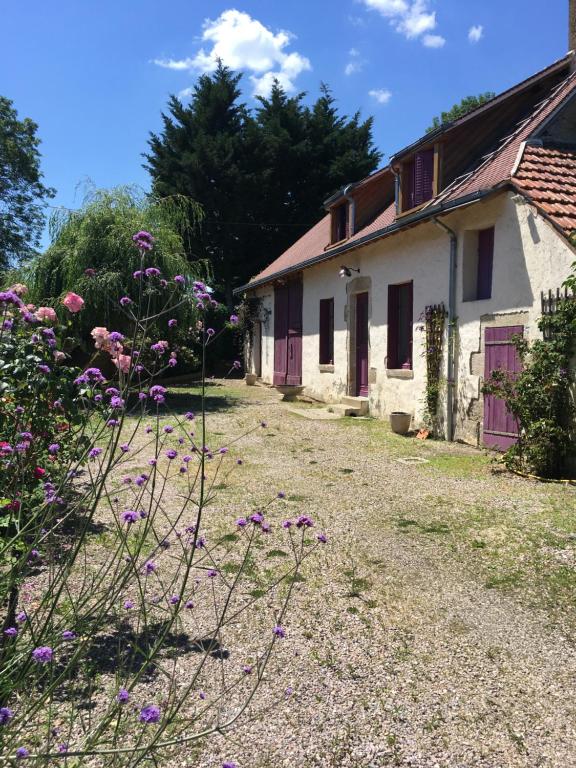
(451, 369)
(406, 221)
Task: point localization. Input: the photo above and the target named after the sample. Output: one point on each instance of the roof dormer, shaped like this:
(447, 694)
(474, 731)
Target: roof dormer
(418, 179)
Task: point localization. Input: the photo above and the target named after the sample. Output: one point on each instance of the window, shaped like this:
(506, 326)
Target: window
(400, 311)
(340, 223)
(326, 331)
(478, 264)
(418, 180)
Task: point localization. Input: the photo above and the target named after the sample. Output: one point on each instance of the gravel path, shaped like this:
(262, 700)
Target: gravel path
(397, 652)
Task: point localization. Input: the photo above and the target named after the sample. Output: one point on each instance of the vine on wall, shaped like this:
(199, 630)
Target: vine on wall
(540, 396)
(434, 319)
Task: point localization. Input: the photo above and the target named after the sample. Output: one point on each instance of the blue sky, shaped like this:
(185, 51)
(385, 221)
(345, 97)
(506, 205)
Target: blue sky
(96, 74)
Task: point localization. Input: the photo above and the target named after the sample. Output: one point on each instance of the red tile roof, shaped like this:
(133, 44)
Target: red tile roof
(498, 166)
(495, 171)
(548, 178)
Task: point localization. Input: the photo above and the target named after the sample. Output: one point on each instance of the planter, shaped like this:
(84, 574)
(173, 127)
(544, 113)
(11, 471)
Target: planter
(250, 379)
(290, 392)
(400, 422)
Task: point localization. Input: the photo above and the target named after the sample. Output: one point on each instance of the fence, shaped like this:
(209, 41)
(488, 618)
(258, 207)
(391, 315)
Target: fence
(551, 303)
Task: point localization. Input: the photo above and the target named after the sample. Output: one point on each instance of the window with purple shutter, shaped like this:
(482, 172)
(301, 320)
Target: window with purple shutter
(418, 180)
(485, 263)
(326, 331)
(400, 326)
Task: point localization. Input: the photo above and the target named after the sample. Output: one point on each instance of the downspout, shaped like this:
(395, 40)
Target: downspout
(397, 189)
(352, 217)
(450, 373)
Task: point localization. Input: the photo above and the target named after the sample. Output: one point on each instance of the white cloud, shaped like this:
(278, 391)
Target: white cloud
(355, 63)
(476, 33)
(411, 18)
(185, 93)
(244, 43)
(433, 41)
(380, 95)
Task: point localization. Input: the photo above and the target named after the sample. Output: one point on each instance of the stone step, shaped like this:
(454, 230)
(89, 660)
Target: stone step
(346, 410)
(362, 404)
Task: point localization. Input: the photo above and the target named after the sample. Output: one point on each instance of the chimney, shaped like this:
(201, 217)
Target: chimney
(572, 25)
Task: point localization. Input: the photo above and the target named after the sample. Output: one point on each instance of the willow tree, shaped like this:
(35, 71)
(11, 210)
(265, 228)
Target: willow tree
(92, 253)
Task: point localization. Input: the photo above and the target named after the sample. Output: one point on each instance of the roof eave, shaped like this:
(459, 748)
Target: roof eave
(416, 218)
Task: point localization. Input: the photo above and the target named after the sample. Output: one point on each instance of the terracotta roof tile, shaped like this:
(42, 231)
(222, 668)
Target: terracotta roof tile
(548, 178)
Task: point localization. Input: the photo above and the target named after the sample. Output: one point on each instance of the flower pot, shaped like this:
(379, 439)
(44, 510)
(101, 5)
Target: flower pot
(289, 391)
(400, 422)
(250, 379)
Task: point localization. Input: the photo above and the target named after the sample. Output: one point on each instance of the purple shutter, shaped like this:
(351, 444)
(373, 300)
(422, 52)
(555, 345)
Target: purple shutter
(408, 319)
(501, 430)
(423, 176)
(280, 333)
(326, 331)
(294, 363)
(408, 186)
(485, 263)
(392, 326)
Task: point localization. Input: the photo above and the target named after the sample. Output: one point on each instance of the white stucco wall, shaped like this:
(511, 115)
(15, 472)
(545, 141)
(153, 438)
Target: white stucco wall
(529, 256)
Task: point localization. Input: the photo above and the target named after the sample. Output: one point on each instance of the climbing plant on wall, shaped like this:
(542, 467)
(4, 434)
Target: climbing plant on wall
(434, 319)
(540, 397)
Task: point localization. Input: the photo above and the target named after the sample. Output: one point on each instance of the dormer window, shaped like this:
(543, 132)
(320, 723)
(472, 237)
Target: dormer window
(340, 223)
(417, 179)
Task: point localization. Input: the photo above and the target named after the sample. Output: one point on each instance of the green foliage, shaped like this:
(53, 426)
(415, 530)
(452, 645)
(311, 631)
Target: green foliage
(434, 318)
(21, 189)
(540, 397)
(260, 176)
(92, 254)
(457, 111)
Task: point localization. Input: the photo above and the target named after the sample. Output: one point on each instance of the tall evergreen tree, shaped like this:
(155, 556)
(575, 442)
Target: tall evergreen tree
(22, 192)
(261, 177)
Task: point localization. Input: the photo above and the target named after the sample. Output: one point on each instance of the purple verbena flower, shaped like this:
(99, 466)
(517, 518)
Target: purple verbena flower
(68, 634)
(129, 516)
(172, 323)
(303, 521)
(257, 518)
(43, 654)
(171, 453)
(116, 336)
(54, 448)
(11, 632)
(150, 714)
(143, 240)
(279, 631)
(22, 752)
(241, 522)
(174, 599)
(179, 279)
(152, 272)
(6, 714)
(234, 319)
(322, 538)
(94, 452)
(122, 696)
(125, 301)
(150, 566)
(128, 604)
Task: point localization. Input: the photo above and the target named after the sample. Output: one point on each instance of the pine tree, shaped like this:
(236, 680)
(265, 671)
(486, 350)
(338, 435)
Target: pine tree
(261, 177)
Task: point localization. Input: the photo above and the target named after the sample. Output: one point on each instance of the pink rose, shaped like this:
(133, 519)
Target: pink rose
(73, 302)
(122, 362)
(39, 472)
(100, 336)
(59, 357)
(19, 289)
(47, 314)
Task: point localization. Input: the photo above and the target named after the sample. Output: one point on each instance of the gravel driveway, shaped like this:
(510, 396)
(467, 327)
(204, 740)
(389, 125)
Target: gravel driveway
(429, 632)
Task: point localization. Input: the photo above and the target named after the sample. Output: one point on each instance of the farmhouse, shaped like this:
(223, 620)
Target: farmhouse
(423, 272)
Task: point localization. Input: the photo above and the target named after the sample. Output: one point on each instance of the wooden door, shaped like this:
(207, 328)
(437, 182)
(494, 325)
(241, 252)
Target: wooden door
(280, 333)
(288, 333)
(500, 427)
(294, 363)
(362, 344)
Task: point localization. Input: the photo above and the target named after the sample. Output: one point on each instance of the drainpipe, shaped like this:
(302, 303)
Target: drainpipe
(451, 372)
(352, 202)
(397, 189)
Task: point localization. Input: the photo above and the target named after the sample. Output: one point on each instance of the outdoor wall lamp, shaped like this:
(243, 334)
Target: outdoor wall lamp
(347, 271)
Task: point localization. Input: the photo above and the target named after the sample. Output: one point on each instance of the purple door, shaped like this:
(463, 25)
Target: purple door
(288, 333)
(500, 427)
(362, 344)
